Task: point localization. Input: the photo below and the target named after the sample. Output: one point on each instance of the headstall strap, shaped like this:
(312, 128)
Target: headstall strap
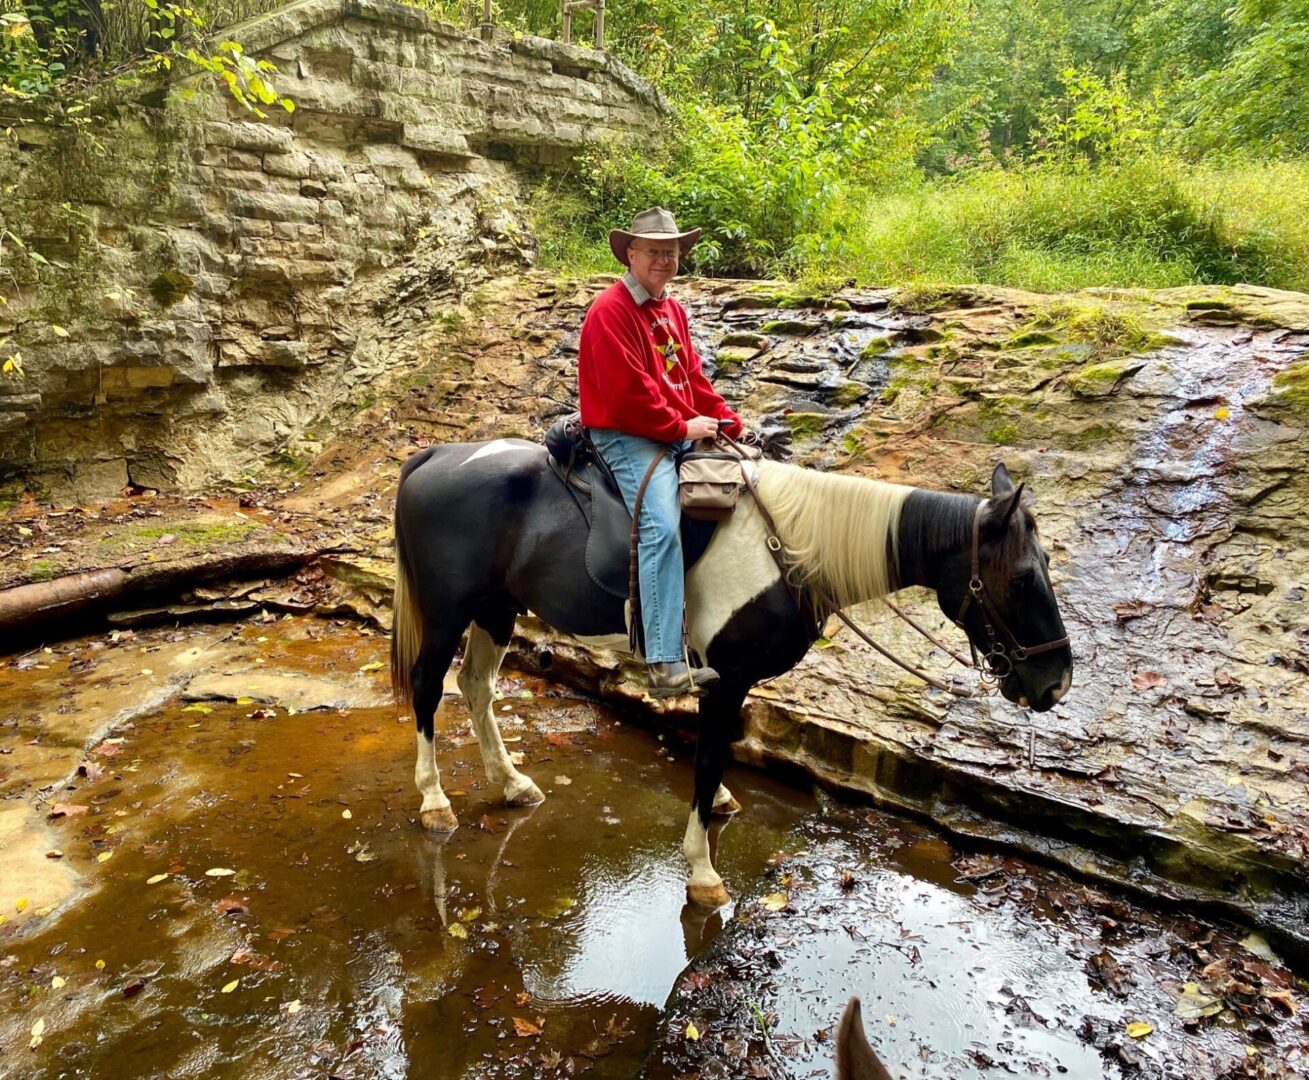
(998, 660)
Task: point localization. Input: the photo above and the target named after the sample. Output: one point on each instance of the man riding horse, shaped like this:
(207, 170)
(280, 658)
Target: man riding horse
(642, 392)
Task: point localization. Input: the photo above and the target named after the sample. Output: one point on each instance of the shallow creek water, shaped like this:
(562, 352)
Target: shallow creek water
(341, 940)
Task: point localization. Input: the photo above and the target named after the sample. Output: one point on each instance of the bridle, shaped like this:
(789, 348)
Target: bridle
(1002, 648)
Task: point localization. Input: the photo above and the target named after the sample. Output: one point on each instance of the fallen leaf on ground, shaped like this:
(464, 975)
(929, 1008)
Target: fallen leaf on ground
(197, 708)
(470, 914)
(526, 1028)
(346, 814)
(57, 982)
(231, 986)
(775, 901)
(20, 903)
(1139, 1030)
(63, 809)
(38, 1029)
(1194, 1003)
(219, 871)
(376, 665)
(104, 856)
(457, 930)
(692, 1033)
(292, 1007)
(156, 879)
(232, 905)
(1148, 680)
(563, 781)
(697, 980)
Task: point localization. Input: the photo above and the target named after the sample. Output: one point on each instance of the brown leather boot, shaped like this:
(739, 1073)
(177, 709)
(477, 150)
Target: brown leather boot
(675, 678)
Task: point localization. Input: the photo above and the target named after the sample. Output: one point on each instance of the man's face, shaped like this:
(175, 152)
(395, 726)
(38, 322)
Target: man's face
(653, 263)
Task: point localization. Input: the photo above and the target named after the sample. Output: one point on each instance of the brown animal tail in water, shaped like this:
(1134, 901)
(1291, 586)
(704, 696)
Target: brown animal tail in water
(855, 1059)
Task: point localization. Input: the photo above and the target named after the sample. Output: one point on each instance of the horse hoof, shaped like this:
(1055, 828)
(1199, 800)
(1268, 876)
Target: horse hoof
(708, 896)
(730, 808)
(525, 796)
(440, 820)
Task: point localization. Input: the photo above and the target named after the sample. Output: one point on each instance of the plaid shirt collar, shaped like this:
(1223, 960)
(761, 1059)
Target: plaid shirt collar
(640, 294)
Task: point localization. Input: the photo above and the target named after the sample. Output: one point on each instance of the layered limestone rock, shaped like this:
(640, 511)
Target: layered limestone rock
(206, 282)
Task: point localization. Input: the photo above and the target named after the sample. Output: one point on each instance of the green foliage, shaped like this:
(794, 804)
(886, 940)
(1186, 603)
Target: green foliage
(1152, 222)
(52, 51)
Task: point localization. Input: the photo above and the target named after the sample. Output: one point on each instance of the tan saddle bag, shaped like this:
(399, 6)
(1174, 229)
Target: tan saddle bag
(709, 482)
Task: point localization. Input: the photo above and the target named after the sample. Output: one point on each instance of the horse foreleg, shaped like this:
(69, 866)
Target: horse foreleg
(482, 657)
(435, 812)
(703, 885)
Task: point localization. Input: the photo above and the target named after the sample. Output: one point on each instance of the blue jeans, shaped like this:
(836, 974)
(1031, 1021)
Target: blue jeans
(660, 545)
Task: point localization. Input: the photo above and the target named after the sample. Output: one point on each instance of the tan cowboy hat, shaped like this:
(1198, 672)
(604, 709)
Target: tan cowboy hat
(653, 224)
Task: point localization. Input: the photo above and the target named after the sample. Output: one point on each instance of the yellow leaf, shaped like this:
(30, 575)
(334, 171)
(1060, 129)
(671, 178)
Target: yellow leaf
(346, 814)
(456, 930)
(197, 708)
(374, 666)
(231, 986)
(104, 856)
(156, 879)
(1139, 1030)
(692, 1033)
(22, 903)
(1223, 413)
(775, 901)
(470, 915)
(59, 330)
(147, 671)
(293, 1007)
(219, 871)
(37, 1030)
(57, 982)
(99, 965)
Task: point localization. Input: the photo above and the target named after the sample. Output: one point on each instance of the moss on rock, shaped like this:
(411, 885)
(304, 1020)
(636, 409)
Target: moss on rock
(1292, 386)
(170, 287)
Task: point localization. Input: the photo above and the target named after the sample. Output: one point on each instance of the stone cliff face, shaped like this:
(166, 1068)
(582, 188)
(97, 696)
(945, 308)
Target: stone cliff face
(212, 282)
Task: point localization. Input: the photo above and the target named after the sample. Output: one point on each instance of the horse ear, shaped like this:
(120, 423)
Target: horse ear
(1001, 482)
(855, 1058)
(1003, 506)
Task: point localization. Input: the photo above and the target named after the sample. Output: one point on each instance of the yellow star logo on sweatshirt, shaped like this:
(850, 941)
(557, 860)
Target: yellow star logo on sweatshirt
(669, 350)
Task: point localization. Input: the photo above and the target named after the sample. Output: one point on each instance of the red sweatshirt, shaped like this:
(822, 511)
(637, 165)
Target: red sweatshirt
(638, 372)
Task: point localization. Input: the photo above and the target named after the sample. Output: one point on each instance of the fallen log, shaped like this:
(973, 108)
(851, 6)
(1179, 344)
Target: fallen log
(28, 610)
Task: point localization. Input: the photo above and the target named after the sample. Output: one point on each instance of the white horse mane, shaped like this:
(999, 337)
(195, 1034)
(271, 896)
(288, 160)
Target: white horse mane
(839, 532)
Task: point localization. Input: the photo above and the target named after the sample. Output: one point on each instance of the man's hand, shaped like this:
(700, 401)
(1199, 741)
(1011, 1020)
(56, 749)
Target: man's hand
(701, 427)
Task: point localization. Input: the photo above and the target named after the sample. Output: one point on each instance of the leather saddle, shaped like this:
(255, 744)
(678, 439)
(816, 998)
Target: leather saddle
(595, 491)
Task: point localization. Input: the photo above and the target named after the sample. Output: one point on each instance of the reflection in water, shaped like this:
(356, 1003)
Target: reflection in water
(360, 946)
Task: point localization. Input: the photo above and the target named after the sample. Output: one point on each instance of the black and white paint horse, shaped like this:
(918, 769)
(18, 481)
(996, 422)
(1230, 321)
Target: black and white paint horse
(486, 531)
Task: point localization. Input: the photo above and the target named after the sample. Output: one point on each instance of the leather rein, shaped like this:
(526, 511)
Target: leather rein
(1002, 651)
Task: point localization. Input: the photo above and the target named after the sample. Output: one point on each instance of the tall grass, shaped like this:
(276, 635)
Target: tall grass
(1153, 222)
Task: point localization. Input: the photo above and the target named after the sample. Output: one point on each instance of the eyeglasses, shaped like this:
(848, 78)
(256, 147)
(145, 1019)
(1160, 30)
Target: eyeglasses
(657, 254)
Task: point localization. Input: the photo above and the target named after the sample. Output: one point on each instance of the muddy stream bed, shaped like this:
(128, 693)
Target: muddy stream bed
(212, 868)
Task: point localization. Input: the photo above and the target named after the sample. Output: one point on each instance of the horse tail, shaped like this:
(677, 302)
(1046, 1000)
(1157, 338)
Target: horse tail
(406, 617)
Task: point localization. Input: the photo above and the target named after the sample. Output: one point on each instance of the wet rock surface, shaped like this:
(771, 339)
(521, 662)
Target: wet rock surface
(249, 892)
(970, 965)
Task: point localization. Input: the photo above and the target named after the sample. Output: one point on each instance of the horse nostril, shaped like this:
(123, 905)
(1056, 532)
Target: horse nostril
(1058, 693)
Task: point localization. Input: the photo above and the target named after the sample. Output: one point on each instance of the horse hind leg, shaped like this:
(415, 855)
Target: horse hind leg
(482, 656)
(428, 682)
(725, 804)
